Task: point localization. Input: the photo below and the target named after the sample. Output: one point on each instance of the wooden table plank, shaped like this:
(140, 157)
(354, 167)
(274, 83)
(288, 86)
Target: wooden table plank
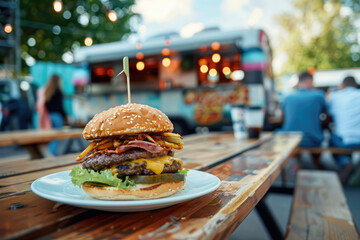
(25, 166)
(69, 217)
(32, 220)
(26, 137)
(14, 178)
(245, 180)
(35, 141)
(20, 184)
(212, 148)
(205, 150)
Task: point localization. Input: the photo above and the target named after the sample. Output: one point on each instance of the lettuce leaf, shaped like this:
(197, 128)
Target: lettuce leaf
(79, 176)
(183, 171)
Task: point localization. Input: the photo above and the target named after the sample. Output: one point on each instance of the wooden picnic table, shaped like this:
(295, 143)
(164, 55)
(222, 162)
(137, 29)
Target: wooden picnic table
(36, 141)
(246, 169)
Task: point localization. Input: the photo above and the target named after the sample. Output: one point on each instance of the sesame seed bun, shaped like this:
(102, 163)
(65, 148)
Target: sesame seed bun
(127, 119)
(140, 192)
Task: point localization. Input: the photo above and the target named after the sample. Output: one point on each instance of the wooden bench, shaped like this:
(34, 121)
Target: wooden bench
(316, 152)
(331, 150)
(319, 209)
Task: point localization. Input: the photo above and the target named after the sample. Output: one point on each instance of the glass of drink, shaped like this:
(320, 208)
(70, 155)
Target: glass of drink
(254, 121)
(237, 117)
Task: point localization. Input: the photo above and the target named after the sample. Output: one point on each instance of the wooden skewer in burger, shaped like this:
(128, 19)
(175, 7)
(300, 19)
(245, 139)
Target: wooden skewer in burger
(131, 155)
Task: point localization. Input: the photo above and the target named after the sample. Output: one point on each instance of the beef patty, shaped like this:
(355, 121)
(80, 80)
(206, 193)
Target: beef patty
(140, 169)
(100, 161)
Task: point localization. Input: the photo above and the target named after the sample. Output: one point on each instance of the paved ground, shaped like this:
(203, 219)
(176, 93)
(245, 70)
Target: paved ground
(251, 228)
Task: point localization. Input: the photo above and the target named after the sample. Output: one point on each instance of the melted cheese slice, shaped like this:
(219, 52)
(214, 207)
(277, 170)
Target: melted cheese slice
(154, 164)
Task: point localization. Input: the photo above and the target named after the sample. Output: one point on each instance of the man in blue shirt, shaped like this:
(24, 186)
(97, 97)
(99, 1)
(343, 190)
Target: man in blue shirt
(302, 111)
(344, 107)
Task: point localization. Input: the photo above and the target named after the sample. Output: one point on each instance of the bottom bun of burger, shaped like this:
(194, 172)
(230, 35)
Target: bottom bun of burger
(139, 192)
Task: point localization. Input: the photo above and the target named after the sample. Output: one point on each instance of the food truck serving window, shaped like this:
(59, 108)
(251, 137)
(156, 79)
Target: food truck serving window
(102, 75)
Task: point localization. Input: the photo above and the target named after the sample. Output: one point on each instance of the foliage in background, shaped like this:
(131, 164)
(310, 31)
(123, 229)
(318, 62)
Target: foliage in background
(57, 33)
(321, 34)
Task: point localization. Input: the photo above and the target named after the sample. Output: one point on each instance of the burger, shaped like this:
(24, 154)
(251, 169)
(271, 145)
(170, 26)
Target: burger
(131, 155)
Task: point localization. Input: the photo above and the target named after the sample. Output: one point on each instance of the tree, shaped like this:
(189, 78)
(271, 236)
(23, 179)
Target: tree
(47, 35)
(321, 34)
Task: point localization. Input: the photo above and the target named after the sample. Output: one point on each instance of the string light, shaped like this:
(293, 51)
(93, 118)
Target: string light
(88, 41)
(202, 61)
(110, 72)
(165, 51)
(139, 55)
(213, 72)
(215, 46)
(166, 62)
(204, 68)
(140, 65)
(112, 16)
(57, 5)
(8, 28)
(226, 71)
(216, 57)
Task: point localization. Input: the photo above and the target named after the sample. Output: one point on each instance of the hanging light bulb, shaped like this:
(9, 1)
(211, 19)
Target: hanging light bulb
(139, 55)
(202, 61)
(216, 57)
(204, 68)
(215, 46)
(112, 16)
(140, 65)
(57, 5)
(166, 62)
(213, 72)
(88, 41)
(226, 70)
(8, 28)
(165, 51)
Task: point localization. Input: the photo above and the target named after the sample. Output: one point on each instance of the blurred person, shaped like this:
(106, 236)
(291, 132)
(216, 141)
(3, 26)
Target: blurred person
(50, 108)
(344, 107)
(16, 115)
(301, 112)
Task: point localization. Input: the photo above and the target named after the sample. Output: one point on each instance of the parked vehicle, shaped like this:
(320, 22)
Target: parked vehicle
(193, 80)
(17, 102)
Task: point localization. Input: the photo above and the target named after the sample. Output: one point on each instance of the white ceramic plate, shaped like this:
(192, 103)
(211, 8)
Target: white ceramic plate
(58, 187)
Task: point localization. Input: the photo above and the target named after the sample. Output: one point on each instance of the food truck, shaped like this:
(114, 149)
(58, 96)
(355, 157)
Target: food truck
(194, 81)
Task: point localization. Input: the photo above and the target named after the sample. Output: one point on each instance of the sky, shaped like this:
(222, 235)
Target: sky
(189, 16)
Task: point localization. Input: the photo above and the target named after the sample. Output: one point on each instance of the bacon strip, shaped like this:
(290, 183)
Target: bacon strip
(148, 146)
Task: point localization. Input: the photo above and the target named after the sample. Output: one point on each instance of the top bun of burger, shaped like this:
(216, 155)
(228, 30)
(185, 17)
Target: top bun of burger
(127, 119)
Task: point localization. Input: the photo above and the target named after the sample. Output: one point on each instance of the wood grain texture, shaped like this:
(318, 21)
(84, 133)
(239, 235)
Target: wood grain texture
(27, 137)
(200, 151)
(8, 169)
(35, 217)
(319, 208)
(246, 178)
(21, 183)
